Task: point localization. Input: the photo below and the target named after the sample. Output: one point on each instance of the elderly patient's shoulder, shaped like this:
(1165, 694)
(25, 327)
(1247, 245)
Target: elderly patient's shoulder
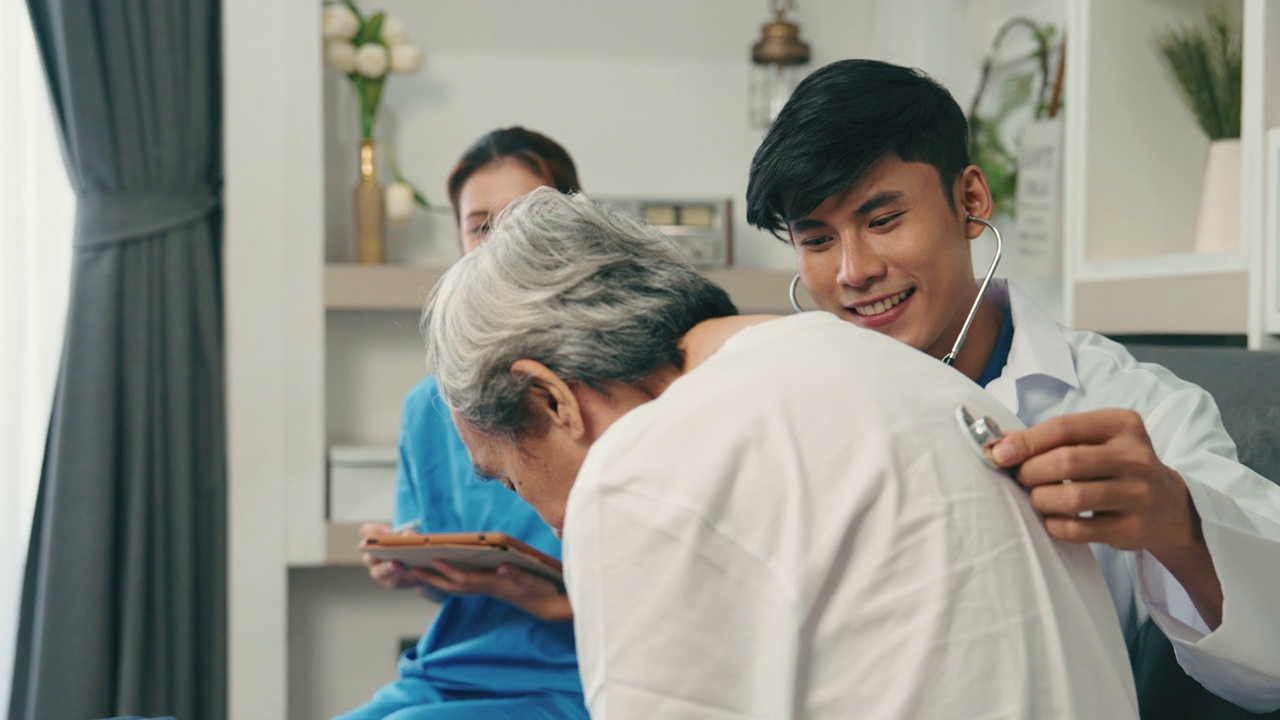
(707, 337)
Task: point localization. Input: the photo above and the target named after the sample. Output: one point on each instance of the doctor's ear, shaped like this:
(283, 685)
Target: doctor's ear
(973, 196)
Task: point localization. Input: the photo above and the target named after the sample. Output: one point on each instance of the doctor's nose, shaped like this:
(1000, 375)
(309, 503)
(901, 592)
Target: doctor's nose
(859, 263)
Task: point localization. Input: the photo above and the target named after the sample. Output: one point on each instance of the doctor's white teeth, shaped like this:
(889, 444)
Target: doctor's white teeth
(882, 305)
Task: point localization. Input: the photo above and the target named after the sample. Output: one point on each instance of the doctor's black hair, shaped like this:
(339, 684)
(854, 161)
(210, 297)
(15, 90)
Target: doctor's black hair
(839, 122)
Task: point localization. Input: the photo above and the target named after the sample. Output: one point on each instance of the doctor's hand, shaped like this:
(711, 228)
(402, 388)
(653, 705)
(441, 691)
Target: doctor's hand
(533, 594)
(1133, 501)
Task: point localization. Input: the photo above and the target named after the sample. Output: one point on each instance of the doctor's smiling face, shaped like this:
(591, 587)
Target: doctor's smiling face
(891, 253)
(866, 173)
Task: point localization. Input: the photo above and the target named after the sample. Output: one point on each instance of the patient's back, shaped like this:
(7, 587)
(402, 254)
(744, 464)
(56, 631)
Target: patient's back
(841, 551)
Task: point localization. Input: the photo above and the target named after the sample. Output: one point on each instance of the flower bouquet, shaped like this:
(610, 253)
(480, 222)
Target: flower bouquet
(367, 49)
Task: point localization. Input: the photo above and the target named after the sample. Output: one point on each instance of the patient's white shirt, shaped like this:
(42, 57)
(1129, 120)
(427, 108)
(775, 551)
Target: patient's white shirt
(798, 529)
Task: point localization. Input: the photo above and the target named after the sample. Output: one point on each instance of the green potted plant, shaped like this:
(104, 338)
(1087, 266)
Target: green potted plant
(1205, 61)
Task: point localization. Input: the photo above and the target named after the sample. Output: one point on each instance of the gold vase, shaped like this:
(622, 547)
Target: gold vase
(371, 246)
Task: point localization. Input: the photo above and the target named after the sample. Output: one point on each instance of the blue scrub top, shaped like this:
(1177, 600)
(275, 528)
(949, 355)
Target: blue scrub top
(477, 643)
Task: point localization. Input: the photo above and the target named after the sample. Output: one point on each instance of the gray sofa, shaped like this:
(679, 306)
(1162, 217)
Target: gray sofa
(1246, 386)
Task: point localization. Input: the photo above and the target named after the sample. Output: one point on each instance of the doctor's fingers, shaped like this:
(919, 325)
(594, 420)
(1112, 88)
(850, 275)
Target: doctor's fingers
(1095, 427)
(1121, 531)
(1124, 456)
(1097, 496)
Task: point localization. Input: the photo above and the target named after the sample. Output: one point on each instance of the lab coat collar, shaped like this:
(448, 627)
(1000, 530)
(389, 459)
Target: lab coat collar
(1039, 348)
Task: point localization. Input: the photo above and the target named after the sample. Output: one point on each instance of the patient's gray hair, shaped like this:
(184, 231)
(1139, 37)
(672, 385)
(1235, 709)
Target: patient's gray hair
(570, 283)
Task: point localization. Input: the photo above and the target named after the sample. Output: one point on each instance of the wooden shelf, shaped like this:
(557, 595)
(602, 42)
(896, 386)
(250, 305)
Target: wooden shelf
(378, 287)
(404, 288)
(1169, 266)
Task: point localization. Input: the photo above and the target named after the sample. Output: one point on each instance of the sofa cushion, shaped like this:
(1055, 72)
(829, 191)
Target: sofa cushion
(1246, 386)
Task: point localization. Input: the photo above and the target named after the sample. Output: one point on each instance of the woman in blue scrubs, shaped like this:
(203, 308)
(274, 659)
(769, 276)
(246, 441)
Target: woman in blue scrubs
(502, 644)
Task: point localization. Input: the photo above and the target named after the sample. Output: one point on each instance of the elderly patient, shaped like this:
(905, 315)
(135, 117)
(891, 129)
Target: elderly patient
(744, 537)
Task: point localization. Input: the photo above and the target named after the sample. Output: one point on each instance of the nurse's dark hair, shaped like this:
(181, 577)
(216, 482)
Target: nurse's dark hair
(839, 122)
(538, 153)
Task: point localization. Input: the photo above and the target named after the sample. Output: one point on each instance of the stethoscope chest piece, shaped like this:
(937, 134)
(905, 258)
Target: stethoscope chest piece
(981, 433)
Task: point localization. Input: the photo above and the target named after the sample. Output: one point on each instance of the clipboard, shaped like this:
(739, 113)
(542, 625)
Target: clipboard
(472, 551)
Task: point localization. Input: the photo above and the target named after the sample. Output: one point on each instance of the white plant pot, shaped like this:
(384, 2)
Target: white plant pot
(1218, 224)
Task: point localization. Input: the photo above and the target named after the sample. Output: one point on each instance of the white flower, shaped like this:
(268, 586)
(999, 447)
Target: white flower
(339, 23)
(399, 202)
(406, 58)
(393, 31)
(372, 60)
(341, 55)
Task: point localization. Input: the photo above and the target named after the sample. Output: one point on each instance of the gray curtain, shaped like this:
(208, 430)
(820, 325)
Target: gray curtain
(123, 609)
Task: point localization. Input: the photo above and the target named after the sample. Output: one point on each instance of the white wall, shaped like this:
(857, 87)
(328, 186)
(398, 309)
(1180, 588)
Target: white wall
(649, 98)
(37, 208)
(273, 321)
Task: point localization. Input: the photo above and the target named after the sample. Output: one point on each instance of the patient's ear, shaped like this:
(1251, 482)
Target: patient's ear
(552, 402)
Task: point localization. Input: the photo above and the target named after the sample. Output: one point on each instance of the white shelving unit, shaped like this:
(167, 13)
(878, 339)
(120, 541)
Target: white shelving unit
(1261, 136)
(1134, 166)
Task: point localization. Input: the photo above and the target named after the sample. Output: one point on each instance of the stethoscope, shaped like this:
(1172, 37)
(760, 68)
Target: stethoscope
(982, 432)
(949, 358)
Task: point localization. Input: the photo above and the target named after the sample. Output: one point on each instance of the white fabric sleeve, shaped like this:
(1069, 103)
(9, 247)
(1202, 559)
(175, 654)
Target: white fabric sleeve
(673, 619)
(1240, 518)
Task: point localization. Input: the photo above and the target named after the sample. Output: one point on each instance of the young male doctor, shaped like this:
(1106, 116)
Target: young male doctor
(866, 173)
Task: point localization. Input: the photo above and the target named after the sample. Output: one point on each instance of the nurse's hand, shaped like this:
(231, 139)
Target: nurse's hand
(387, 573)
(1130, 499)
(535, 595)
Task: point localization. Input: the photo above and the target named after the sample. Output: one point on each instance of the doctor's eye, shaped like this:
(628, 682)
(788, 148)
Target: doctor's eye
(884, 221)
(814, 243)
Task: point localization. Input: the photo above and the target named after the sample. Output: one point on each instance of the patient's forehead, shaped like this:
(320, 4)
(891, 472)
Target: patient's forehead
(479, 445)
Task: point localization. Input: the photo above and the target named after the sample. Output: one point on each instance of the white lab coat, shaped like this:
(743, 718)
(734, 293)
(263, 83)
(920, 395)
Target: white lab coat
(1053, 371)
(789, 531)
